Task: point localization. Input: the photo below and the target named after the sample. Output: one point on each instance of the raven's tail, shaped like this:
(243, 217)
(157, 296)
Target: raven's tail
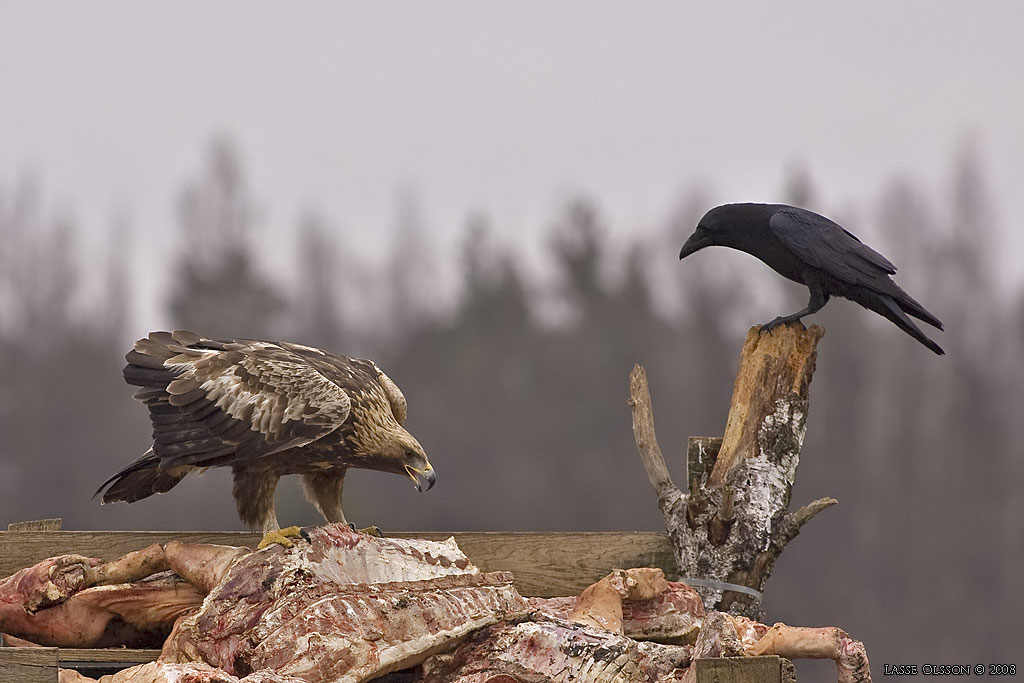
(140, 479)
(884, 305)
(911, 307)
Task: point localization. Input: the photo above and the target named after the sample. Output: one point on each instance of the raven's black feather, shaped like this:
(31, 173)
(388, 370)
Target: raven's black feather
(814, 251)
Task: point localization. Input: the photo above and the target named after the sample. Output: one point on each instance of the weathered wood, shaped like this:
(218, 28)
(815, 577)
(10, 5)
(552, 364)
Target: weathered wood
(36, 525)
(69, 657)
(774, 375)
(731, 523)
(39, 664)
(646, 443)
(544, 564)
(25, 548)
(701, 454)
(764, 669)
(28, 664)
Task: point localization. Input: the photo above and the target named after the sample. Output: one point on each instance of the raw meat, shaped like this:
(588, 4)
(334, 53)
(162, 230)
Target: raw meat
(51, 604)
(672, 616)
(344, 607)
(552, 649)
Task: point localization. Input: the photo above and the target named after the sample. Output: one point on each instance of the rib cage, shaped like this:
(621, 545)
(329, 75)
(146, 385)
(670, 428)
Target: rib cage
(344, 608)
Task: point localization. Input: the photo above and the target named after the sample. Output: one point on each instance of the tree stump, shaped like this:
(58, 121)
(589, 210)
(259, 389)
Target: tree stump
(731, 522)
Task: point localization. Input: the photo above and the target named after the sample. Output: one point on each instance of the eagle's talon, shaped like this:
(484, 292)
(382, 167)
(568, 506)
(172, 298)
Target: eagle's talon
(281, 537)
(372, 530)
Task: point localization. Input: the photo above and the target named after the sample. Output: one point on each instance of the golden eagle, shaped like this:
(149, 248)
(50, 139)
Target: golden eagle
(265, 409)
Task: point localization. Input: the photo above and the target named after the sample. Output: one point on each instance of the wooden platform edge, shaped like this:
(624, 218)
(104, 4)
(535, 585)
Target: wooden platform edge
(763, 669)
(39, 664)
(545, 564)
(28, 664)
(69, 657)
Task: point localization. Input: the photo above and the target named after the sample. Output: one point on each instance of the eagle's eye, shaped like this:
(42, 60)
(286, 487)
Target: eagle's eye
(414, 459)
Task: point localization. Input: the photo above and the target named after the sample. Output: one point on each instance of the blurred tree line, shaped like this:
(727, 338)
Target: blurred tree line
(523, 412)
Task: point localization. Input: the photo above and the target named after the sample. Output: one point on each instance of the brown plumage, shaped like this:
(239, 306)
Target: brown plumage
(265, 409)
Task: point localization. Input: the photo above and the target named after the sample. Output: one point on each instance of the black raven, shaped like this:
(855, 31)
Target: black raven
(814, 251)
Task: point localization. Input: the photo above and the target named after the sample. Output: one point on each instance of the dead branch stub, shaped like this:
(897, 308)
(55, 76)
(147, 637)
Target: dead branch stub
(731, 522)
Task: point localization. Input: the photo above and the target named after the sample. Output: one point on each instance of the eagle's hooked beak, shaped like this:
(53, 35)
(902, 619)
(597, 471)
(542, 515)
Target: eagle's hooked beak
(695, 243)
(423, 479)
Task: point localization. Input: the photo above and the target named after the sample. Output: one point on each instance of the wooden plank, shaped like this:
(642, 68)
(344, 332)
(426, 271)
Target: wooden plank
(552, 564)
(52, 524)
(701, 453)
(28, 664)
(69, 656)
(25, 548)
(544, 564)
(738, 670)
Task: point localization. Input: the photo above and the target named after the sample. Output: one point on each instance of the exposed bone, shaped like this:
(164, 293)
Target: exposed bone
(204, 565)
(600, 604)
(44, 584)
(829, 642)
(718, 637)
(138, 614)
(133, 566)
(345, 607)
(556, 650)
(160, 672)
(725, 635)
(320, 612)
(638, 603)
(114, 612)
(674, 617)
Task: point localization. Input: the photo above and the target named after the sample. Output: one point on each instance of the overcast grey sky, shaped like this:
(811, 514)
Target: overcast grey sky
(508, 107)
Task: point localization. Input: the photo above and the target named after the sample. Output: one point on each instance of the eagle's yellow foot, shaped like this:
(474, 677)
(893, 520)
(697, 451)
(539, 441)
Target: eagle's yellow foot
(372, 530)
(281, 537)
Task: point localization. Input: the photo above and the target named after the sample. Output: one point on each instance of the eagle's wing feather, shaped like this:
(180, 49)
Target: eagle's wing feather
(344, 369)
(228, 402)
(399, 406)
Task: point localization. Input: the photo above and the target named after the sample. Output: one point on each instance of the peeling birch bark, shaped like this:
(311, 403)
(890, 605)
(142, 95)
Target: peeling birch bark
(731, 522)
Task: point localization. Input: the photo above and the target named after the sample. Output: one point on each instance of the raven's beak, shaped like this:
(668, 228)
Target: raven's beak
(424, 479)
(695, 243)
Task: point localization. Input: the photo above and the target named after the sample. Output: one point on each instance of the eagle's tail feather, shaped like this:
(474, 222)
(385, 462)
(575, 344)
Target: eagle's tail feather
(139, 480)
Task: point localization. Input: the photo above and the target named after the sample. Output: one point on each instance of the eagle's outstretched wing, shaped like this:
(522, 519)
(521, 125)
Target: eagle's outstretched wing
(221, 403)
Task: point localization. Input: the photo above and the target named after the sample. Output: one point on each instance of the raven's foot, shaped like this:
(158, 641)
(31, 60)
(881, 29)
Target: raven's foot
(281, 537)
(372, 530)
(782, 320)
